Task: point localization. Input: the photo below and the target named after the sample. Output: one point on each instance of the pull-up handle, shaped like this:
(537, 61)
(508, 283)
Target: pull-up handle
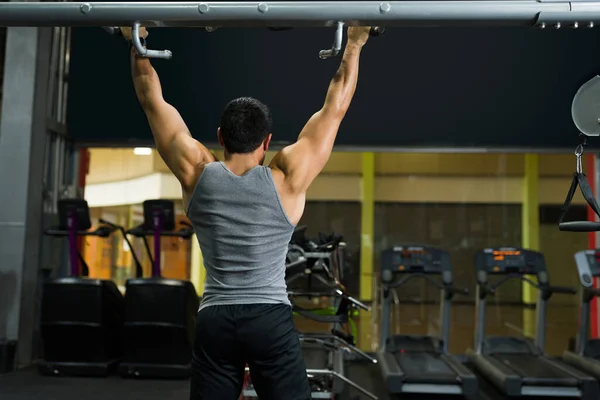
(337, 43)
(137, 43)
(144, 52)
(377, 31)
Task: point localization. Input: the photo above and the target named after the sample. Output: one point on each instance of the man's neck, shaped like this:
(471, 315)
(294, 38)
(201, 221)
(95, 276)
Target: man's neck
(239, 164)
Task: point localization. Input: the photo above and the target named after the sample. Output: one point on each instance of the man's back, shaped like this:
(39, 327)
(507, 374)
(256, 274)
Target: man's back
(243, 233)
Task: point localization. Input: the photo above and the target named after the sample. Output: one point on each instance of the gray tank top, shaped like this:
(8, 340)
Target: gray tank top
(243, 232)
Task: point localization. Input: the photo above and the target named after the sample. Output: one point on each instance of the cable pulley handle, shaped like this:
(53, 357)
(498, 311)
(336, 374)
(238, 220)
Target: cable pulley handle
(579, 179)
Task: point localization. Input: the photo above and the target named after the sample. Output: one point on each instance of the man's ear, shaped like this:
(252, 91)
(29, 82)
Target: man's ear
(220, 137)
(267, 141)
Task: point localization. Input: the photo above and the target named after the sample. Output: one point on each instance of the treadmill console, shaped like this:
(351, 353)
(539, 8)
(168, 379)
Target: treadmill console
(510, 260)
(588, 266)
(415, 260)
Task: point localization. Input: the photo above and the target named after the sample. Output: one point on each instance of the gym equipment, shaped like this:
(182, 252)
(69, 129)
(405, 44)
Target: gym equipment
(585, 110)
(142, 51)
(587, 351)
(518, 366)
(159, 313)
(420, 364)
(321, 259)
(324, 354)
(81, 319)
(551, 13)
(580, 180)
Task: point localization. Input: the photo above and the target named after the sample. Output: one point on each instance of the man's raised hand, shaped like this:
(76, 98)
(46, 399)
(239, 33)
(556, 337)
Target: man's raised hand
(358, 35)
(127, 32)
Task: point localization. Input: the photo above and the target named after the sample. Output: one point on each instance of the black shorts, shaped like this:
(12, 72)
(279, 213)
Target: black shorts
(260, 335)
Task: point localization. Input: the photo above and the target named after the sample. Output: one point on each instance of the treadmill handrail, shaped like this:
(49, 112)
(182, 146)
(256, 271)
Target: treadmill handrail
(448, 288)
(590, 293)
(547, 290)
(139, 271)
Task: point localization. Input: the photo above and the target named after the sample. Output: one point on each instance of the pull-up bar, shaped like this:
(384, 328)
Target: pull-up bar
(551, 13)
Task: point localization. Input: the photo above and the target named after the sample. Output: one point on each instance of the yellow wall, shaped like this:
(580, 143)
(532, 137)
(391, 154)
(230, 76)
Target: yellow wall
(400, 177)
(110, 165)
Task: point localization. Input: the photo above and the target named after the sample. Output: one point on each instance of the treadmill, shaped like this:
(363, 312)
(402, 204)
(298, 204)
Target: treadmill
(413, 363)
(515, 365)
(587, 351)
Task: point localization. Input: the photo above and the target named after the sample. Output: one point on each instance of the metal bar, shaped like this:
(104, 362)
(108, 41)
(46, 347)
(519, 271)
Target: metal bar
(335, 374)
(540, 321)
(584, 327)
(302, 14)
(480, 305)
(343, 378)
(445, 323)
(386, 316)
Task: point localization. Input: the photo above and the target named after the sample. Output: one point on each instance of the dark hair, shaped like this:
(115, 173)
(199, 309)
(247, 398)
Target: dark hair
(245, 123)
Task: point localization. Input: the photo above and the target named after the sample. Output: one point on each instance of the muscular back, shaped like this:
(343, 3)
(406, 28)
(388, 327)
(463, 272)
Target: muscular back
(243, 233)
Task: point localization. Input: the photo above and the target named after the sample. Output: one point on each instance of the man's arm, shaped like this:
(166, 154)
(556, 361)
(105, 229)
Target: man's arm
(302, 161)
(180, 151)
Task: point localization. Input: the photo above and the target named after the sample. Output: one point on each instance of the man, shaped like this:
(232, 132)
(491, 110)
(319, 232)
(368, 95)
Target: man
(244, 215)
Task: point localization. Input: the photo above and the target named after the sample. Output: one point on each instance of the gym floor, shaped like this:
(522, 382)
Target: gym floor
(27, 385)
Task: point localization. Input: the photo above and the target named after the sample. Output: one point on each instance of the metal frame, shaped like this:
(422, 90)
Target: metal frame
(386, 311)
(303, 14)
(577, 358)
(504, 378)
(357, 148)
(583, 269)
(252, 393)
(23, 137)
(393, 372)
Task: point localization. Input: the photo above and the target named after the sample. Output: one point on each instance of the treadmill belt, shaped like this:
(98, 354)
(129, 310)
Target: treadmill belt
(425, 368)
(535, 371)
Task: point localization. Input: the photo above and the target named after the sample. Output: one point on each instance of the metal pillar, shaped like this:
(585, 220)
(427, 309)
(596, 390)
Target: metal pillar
(530, 232)
(591, 169)
(367, 226)
(367, 230)
(22, 143)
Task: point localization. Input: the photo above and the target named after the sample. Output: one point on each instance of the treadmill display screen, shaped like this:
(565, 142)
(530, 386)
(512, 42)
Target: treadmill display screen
(510, 260)
(415, 259)
(412, 257)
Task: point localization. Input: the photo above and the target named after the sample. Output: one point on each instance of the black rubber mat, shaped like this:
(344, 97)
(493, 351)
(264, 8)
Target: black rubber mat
(28, 385)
